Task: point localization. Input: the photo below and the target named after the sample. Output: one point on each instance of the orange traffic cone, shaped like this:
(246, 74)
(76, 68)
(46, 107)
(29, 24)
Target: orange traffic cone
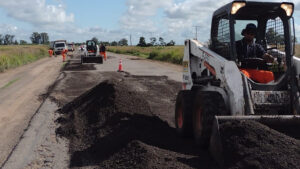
(120, 66)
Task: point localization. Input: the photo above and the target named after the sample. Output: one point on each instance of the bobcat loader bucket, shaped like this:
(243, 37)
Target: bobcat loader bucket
(287, 124)
(92, 59)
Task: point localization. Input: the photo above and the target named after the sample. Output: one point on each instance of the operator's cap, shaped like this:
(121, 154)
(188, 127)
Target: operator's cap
(250, 28)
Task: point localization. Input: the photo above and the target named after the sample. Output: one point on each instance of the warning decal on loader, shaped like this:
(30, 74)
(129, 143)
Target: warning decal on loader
(185, 66)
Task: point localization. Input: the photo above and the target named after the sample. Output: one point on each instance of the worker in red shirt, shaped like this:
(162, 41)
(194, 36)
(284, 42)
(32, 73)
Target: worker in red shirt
(50, 51)
(103, 51)
(64, 52)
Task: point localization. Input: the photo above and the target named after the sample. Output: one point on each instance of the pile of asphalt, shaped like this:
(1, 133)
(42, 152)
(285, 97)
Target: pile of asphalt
(128, 122)
(249, 144)
(113, 126)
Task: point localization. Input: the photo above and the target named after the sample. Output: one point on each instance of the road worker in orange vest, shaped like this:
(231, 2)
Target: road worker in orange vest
(103, 51)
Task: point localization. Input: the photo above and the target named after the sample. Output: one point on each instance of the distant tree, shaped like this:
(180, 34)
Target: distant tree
(171, 43)
(149, 44)
(105, 43)
(153, 41)
(161, 41)
(273, 37)
(35, 38)
(270, 36)
(23, 42)
(16, 42)
(142, 42)
(44, 38)
(1, 39)
(123, 42)
(8, 39)
(95, 39)
(114, 43)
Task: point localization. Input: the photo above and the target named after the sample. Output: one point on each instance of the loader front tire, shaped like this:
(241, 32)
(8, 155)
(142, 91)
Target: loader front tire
(206, 106)
(183, 113)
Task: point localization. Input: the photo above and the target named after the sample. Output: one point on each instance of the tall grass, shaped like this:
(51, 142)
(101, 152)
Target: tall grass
(17, 55)
(297, 50)
(171, 54)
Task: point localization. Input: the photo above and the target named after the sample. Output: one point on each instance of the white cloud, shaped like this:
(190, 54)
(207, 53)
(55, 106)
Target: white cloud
(171, 19)
(36, 12)
(140, 13)
(181, 17)
(8, 29)
(14, 30)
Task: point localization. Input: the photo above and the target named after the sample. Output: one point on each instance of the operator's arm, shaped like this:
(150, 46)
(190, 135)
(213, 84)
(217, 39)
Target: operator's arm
(269, 58)
(264, 55)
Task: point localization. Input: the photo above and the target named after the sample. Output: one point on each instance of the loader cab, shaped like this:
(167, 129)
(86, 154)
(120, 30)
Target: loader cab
(275, 31)
(91, 46)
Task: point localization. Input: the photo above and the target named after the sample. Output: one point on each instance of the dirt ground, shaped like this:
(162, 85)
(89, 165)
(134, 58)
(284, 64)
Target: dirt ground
(118, 120)
(20, 90)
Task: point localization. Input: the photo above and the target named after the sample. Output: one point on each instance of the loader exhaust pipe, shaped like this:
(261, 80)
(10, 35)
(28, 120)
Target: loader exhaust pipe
(287, 124)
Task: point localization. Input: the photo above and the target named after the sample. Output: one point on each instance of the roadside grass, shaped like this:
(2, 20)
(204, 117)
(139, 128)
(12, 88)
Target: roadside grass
(297, 50)
(9, 83)
(17, 55)
(171, 54)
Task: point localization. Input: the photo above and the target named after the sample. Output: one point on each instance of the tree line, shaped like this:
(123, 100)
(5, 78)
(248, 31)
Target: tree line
(142, 42)
(154, 42)
(39, 38)
(36, 38)
(122, 42)
(8, 39)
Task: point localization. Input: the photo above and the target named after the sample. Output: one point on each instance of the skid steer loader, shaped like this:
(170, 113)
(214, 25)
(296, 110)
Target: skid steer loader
(214, 89)
(91, 53)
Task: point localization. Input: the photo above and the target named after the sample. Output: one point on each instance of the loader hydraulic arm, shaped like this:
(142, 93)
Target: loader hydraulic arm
(201, 63)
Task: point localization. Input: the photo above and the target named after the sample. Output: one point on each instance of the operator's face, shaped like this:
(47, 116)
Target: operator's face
(249, 36)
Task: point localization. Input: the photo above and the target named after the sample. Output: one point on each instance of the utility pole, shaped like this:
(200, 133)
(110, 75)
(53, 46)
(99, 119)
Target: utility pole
(196, 27)
(130, 40)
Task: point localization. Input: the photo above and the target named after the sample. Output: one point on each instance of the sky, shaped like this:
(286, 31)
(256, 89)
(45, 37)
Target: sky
(112, 20)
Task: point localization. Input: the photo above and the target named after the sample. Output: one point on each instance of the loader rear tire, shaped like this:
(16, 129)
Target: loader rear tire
(206, 106)
(183, 113)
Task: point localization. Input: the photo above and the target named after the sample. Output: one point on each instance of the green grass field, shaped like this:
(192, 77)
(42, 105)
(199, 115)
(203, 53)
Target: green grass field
(297, 50)
(17, 55)
(171, 54)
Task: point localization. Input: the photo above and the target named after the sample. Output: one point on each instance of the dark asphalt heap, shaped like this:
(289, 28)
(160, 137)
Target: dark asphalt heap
(113, 126)
(124, 122)
(249, 145)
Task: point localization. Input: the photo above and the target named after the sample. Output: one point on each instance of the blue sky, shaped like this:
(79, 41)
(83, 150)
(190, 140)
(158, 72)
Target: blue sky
(89, 13)
(111, 20)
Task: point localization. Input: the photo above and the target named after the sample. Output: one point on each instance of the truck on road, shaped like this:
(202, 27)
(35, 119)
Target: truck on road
(59, 46)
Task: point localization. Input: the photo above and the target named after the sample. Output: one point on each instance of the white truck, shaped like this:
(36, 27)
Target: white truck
(59, 46)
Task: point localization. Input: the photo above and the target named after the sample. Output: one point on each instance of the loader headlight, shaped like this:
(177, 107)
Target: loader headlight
(288, 8)
(236, 6)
